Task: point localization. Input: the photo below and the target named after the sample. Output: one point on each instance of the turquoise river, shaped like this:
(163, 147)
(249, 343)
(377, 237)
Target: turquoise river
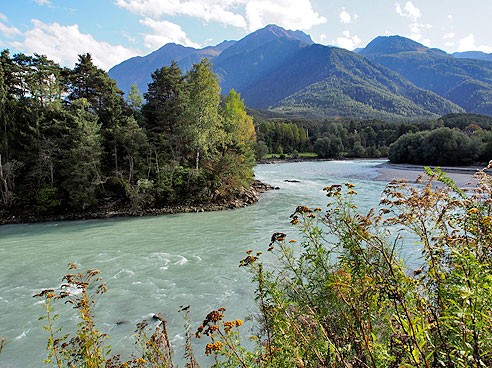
(157, 264)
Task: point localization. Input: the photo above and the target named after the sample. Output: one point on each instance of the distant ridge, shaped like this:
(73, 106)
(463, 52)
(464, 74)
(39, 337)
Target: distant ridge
(479, 55)
(137, 70)
(257, 55)
(328, 81)
(393, 77)
(391, 45)
(466, 82)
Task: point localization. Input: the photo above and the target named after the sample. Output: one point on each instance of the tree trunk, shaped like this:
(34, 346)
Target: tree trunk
(130, 175)
(197, 159)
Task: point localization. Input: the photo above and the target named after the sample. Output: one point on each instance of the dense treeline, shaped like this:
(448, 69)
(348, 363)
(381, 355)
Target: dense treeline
(278, 137)
(69, 141)
(442, 146)
(331, 139)
(454, 139)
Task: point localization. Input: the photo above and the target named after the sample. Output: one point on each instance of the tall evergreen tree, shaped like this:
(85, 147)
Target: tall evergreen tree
(164, 111)
(82, 166)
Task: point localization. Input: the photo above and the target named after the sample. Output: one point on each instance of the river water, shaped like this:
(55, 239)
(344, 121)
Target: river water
(156, 264)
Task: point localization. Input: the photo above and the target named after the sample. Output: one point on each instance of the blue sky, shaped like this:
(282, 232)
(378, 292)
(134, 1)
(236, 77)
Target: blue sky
(115, 30)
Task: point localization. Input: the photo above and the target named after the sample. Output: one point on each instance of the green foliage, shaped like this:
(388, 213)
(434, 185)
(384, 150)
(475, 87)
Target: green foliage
(261, 149)
(82, 162)
(203, 125)
(290, 136)
(48, 200)
(345, 297)
(69, 141)
(141, 194)
(135, 99)
(328, 147)
(441, 146)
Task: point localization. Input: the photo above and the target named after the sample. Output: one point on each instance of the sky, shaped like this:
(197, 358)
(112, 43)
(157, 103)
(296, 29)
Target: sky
(115, 30)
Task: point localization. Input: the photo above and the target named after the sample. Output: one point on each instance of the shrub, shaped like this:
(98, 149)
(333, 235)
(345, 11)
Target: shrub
(48, 200)
(344, 297)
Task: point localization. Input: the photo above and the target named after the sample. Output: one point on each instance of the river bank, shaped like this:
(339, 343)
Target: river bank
(462, 175)
(245, 198)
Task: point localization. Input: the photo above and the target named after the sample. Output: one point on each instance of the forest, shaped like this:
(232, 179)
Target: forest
(453, 139)
(70, 142)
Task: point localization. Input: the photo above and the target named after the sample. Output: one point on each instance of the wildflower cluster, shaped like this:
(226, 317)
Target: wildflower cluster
(230, 324)
(213, 347)
(224, 338)
(89, 344)
(209, 324)
(333, 190)
(249, 259)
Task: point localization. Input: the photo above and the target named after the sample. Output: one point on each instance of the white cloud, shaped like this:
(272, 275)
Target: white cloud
(43, 2)
(290, 14)
(449, 36)
(409, 11)
(417, 29)
(8, 32)
(345, 16)
(128, 37)
(63, 44)
(347, 41)
(164, 32)
(450, 17)
(207, 10)
(468, 44)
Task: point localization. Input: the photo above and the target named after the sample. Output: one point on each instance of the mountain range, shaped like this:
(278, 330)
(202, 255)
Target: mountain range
(284, 71)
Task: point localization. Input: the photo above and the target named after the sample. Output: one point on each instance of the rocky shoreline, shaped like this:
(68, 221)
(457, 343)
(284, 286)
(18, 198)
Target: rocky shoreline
(245, 198)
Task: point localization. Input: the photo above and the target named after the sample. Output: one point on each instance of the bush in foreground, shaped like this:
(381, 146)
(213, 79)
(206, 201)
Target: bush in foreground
(342, 296)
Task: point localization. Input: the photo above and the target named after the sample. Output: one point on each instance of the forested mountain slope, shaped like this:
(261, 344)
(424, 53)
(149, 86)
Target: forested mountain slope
(466, 82)
(328, 81)
(281, 70)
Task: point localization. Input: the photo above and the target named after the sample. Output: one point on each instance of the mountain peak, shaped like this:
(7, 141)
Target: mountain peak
(279, 32)
(392, 45)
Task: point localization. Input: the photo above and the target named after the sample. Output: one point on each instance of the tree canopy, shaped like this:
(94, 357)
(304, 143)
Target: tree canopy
(69, 141)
